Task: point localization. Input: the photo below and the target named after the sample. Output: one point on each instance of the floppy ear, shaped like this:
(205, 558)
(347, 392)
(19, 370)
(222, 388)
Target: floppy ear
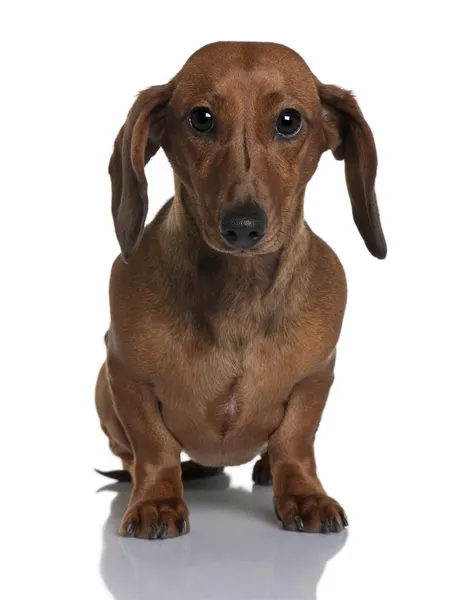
(138, 140)
(350, 138)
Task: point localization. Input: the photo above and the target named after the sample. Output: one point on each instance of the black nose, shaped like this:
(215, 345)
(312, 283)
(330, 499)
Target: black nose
(243, 226)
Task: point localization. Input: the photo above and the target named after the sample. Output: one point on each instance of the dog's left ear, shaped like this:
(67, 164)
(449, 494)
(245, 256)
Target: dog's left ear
(350, 138)
(138, 140)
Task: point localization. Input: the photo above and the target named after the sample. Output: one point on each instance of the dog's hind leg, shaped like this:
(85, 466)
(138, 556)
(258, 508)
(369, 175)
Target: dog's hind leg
(192, 470)
(261, 474)
(119, 444)
(112, 427)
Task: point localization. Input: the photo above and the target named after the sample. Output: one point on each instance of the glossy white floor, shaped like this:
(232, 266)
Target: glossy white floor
(235, 549)
(407, 539)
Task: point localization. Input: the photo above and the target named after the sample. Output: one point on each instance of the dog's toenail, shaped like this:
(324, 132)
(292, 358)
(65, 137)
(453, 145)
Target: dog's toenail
(299, 523)
(325, 527)
(131, 528)
(183, 527)
(163, 531)
(154, 531)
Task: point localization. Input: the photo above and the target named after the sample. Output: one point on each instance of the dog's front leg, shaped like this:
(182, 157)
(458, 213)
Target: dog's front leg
(300, 500)
(156, 508)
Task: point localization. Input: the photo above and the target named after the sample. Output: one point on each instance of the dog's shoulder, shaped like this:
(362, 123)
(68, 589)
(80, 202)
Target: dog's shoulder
(325, 270)
(138, 294)
(134, 279)
(322, 288)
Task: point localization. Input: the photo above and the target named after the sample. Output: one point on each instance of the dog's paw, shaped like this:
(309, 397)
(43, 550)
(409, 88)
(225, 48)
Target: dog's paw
(156, 519)
(313, 514)
(261, 474)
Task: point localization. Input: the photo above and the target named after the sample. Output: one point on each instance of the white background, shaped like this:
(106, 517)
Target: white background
(392, 446)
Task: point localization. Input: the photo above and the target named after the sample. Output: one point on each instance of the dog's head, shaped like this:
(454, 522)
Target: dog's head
(243, 126)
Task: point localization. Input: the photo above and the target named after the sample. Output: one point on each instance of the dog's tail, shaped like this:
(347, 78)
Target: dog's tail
(190, 471)
(120, 475)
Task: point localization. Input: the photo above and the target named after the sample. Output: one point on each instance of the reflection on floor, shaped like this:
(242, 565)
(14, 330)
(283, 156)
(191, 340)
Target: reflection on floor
(236, 550)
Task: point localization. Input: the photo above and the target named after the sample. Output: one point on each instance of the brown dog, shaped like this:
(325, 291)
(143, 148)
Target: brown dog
(226, 313)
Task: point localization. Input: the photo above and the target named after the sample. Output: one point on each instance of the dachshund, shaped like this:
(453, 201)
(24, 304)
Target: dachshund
(226, 308)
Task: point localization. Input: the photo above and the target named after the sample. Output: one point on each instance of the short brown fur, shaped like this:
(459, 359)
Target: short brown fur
(220, 353)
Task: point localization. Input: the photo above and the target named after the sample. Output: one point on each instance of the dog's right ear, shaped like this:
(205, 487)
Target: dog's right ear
(138, 140)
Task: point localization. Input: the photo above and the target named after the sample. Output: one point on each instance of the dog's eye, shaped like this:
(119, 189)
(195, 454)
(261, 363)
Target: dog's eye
(202, 120)
(288, 123)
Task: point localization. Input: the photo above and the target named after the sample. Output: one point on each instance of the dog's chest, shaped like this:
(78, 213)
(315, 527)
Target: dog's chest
(228, 398)
(226, 409)
(223, 378)
(226, 417)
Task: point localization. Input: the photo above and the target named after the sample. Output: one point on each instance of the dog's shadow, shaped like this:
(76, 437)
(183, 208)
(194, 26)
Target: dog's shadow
(236, 550)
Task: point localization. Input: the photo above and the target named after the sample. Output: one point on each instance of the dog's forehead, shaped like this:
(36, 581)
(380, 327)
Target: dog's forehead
(224, 66)
(249, 54)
